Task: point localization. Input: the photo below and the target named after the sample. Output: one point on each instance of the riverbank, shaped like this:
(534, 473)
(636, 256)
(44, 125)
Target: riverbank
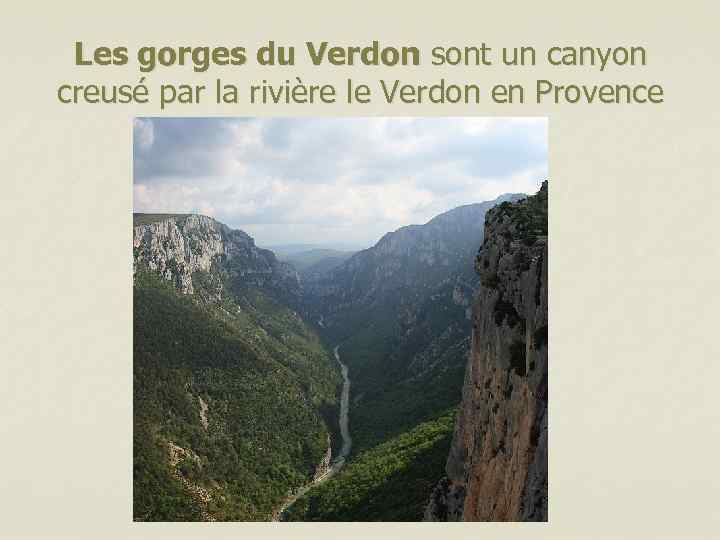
(339, 461)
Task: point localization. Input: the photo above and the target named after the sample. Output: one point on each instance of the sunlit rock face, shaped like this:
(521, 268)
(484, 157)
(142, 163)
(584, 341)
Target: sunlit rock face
(179, 247)
(497, 466)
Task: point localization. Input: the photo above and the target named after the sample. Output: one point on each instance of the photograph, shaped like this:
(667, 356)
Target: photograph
(340, 319)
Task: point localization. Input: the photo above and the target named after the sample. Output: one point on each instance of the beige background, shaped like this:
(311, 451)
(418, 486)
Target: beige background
(634, 277)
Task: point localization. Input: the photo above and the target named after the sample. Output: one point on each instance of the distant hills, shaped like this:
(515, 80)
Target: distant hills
(314, 263)
(287, 250)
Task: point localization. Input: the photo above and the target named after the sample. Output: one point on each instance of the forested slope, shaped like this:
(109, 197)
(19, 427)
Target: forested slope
(233, 392)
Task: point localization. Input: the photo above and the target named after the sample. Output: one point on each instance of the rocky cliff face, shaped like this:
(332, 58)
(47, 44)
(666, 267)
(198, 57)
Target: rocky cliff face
(179, 247)
(407, 261)
(497, 466)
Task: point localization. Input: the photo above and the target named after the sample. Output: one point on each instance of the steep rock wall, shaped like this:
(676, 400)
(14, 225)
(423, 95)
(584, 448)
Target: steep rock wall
(497, 466)
(177, 247)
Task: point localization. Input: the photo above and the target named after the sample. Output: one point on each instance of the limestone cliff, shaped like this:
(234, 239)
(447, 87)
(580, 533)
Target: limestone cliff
(178, 247)
(497, 466)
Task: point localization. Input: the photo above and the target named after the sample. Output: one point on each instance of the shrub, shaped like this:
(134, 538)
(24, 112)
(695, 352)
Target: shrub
(517, 357)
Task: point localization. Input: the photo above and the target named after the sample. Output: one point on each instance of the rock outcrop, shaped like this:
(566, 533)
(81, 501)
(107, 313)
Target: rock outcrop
(324, 466)
(179, 247)
(407, 262)
(497, 466)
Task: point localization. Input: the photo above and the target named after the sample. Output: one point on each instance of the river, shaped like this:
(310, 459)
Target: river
(344, 425)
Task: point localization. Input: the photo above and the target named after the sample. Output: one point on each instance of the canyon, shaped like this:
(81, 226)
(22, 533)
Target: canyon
(243, 366)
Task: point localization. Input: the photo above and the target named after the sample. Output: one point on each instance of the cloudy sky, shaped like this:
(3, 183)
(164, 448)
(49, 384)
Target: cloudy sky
(331, 181)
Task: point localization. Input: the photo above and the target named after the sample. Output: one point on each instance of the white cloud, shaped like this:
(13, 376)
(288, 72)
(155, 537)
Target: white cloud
(332, 180)
(143, 133)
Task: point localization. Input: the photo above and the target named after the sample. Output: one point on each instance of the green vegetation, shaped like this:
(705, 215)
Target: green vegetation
(390, 482)
(399, 312)
(401, 382)
(235, 396)
(530, 215)
(505, 311)
(158, 495)
(540, 337)
(490, 281)
(407, 358)
(263, 377)
(517, 357)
